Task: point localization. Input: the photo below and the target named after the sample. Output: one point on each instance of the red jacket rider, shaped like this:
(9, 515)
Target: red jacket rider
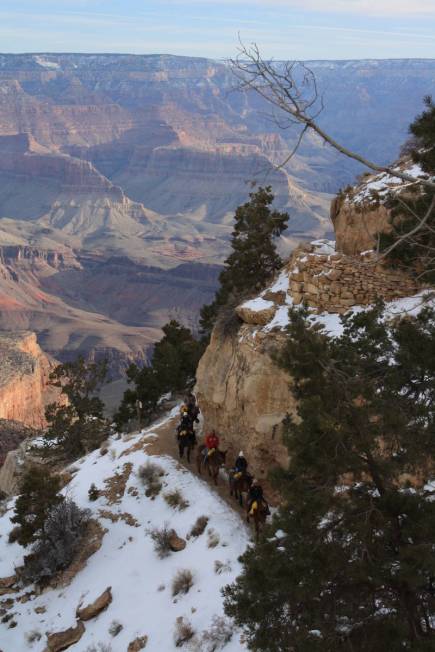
(212, 441)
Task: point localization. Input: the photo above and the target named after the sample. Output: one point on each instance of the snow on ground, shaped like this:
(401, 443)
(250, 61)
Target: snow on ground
(383, 183)
(410, 306)
(324, 247)
(258, 304)
(128, 563)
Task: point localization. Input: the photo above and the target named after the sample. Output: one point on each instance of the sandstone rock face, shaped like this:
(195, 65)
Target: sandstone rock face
(63, 640)
(24, 389)
(96, 607)
(245, 396)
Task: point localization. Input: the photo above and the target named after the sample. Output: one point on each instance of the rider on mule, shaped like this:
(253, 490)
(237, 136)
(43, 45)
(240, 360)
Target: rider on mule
(192, 407)
(240, 466)
(256, 498)
(211, 444)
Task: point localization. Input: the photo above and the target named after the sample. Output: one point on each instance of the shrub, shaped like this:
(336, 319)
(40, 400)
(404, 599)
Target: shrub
(14, 534)
(199, 526)
(182, 582)
(162, 540)
(215, 638)
(99, 647)
(183, 632)
(212, 538)
(176, 500)
(115, 628)
(32, 636)
(93, 493)
(221, 567)
(62, 535)
(150, 474)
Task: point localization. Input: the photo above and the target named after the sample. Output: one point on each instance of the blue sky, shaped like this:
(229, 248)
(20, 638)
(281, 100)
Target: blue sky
(288, 29)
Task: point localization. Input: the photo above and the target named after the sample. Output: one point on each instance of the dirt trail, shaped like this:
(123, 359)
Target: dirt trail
(166, 444)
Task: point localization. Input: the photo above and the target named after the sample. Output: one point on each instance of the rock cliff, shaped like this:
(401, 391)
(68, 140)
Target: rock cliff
(242, 392)
(24, 372)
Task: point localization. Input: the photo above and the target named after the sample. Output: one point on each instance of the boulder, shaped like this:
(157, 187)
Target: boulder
(257, 312)
(96, 607)
(176, 543)
(7, 582)
(63, 640)
(138, 644)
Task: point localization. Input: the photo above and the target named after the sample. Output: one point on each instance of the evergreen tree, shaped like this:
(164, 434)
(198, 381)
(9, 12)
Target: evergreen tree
(76, 424)
(39, 492)
(416, 254)
(253, 259)
(349, 561)
(173, 366)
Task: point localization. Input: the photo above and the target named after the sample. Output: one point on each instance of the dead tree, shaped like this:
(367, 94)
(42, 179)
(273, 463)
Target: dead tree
(291, 90)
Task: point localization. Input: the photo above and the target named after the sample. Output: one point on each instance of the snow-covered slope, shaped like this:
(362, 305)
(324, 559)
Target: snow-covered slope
(141, 582)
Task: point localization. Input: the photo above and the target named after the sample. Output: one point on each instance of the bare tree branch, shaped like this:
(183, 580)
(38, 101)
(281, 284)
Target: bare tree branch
(279, 85)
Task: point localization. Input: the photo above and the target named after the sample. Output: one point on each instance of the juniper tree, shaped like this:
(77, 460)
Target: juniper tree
(39, 493)
(414, 211)
(77, 424)
(172, 367)
(254, 257)
(349, 561)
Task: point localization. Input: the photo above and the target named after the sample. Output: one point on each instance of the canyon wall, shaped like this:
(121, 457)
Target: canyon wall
(242, 392)
(24, 372)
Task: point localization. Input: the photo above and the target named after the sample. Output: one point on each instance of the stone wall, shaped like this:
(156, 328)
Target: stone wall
(335, 282)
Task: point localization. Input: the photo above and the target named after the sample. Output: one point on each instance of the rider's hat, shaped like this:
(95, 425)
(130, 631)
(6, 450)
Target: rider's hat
(241, 454)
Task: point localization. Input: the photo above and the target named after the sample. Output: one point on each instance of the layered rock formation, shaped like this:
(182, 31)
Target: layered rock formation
(146, 158)
(24, 372)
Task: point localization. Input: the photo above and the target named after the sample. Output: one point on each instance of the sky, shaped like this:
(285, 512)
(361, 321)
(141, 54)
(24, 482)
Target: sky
(283, 29)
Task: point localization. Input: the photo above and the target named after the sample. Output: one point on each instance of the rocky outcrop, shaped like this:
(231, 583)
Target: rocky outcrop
(12, 433)
(24, 372)
(242, 392)
(360, 213)
(245, 396)
(176, 543)
(96, 607)
(63, 640)
(138, 644)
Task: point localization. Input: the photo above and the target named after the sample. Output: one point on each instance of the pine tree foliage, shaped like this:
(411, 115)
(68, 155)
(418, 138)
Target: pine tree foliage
(349, 561)
(416, 253)
(76, 425)
(39, 493)
(254, 257)
(173, 366)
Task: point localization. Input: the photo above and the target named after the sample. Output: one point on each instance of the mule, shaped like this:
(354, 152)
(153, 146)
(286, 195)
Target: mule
(186, 441)
(213, 462)
(260, 515)
(239, 486)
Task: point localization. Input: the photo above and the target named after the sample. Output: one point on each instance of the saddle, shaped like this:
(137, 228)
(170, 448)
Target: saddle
(259, 505)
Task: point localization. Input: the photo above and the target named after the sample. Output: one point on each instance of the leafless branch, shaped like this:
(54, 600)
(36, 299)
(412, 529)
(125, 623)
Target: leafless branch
(291, 87)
